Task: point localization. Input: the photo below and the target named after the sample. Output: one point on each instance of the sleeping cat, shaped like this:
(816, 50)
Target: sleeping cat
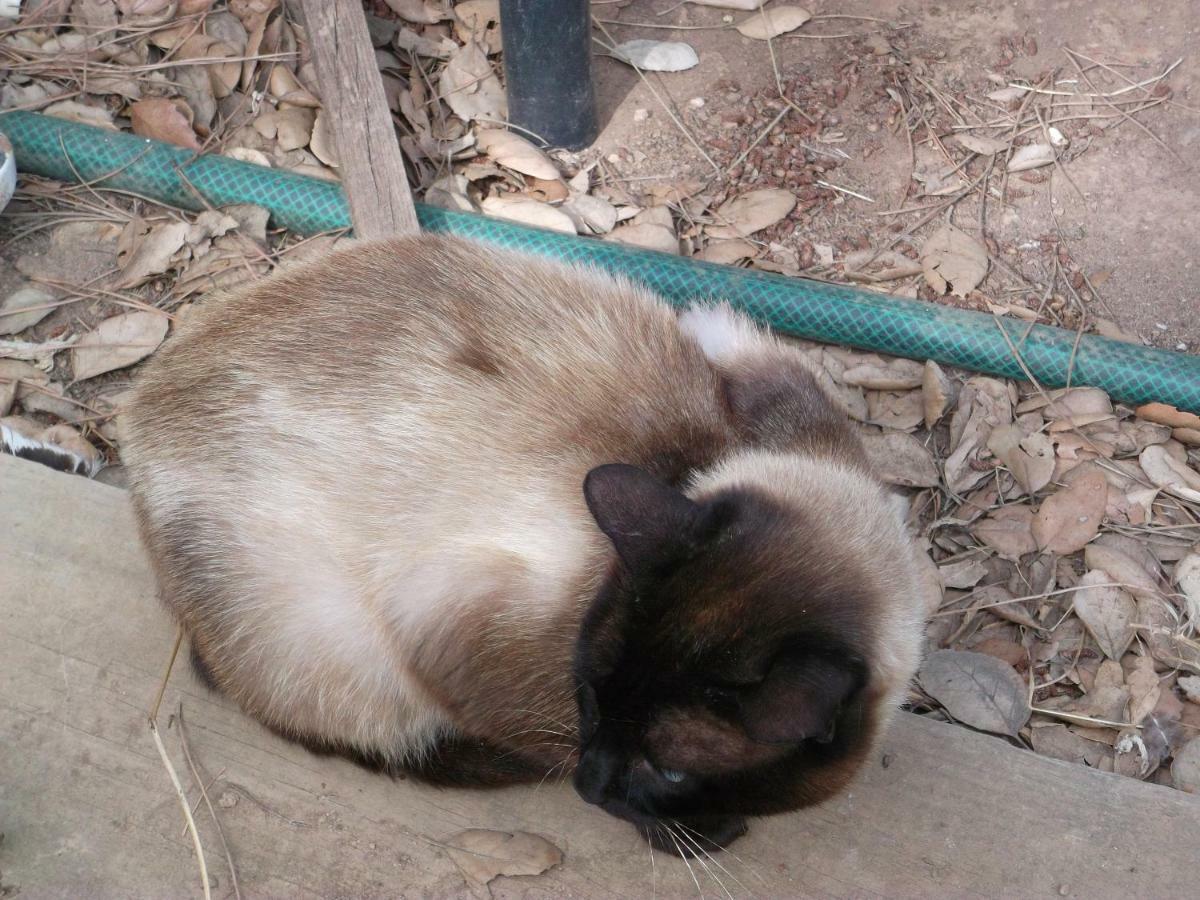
(481, 517)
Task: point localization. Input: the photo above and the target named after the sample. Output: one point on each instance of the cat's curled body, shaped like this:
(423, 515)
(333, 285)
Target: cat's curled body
(379, 493)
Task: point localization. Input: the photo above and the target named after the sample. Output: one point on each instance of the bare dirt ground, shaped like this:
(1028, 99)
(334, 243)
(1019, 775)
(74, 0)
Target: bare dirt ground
(1060, 527)
(1128, 221)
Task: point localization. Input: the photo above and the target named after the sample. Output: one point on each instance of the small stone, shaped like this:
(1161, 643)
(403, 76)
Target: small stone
(641, 115)
(696, 102)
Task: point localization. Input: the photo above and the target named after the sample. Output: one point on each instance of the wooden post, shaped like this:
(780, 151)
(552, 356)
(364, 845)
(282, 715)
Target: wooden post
(371, 165)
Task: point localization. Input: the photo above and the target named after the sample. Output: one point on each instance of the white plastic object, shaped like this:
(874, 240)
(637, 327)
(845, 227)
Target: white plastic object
(10, 9)
(8, 170)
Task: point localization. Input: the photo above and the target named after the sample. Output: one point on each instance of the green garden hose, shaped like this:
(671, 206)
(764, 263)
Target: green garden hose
(825, 312)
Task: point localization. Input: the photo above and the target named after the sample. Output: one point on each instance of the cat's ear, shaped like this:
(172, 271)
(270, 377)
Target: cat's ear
(800, 698)
(650, 523)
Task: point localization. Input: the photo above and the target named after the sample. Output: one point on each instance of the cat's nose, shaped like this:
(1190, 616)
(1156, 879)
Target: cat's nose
(595, 775)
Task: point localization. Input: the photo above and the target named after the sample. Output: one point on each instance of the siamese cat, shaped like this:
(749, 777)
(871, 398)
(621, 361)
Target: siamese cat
(480, 517)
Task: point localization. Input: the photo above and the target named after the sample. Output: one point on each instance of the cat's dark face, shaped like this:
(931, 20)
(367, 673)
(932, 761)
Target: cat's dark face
(722, 669)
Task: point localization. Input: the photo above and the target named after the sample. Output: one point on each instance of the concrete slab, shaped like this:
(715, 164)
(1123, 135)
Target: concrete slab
(86, 808)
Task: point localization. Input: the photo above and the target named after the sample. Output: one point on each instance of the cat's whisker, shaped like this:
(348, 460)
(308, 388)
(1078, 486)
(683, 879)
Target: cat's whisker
(524, 747)
(695, 840)
(551, 771)
(653, 873)
(671, 834)
(703, 865)
(571, 729)
(561, 734)
(726, 851)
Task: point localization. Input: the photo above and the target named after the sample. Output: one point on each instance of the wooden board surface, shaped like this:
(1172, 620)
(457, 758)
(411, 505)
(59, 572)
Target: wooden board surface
(87, 810)
(369, 159)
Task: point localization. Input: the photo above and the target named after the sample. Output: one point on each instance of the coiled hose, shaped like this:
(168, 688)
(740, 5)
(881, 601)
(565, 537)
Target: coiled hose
(1130, 373)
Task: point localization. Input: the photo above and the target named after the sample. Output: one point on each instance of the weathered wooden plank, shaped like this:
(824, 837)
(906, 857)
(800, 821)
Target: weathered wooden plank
(352, 97)
(86, 808)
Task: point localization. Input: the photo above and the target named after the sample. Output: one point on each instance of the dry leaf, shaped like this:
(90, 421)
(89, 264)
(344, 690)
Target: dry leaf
(483, 855)
(902, 411)
(528, 212)
(591, 215)
(1004, 650)
(147, 250)
(1190, 685)
(1008, 94)
(984, 146)
(728, 253)
(24, 308)
(773, 22)
(1029, 458)
(976, 689)
(417, 44)
(322, 144)
(1008, 530)
(418, 11)
(937, 393)
(1168, 473)
(285, 87)
(1160, 627)
(1031, 156)
(657, 56)
(118, 342)
(953, 258)
(1124, 569)
(1069, 403)
(1060, 742)
(294, 127)
(49, 398)
(1187, 577)
(650, 235)
(1135, 436)
(470, 88)
(450, 193)
(479, 19)
(163, 120)
(729, 4)
(751, 212)
(901, 459)
(983, 404)
(1107, 612)
(73, 111)
(1070, 518)
(963, 574)
(13, 373)
(893, 375)
(1108, 695)
(516, 153)
(1185, 770)
(1144, 689)
(1165, 414)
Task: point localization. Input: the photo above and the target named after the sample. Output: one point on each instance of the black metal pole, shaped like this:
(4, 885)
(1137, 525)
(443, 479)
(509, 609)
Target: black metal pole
(548, 69)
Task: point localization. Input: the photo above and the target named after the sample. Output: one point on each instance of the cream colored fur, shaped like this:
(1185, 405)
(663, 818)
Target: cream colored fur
(333, 481)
